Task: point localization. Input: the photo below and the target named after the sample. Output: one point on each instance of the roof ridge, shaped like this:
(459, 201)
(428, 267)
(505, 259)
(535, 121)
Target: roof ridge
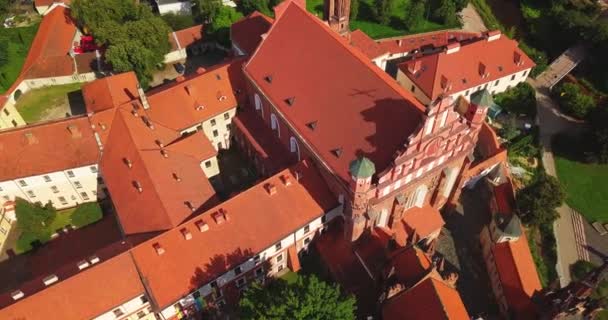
(434, 286)
(43, 123)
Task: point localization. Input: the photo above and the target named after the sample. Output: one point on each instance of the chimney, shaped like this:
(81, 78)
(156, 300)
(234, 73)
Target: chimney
(137, 186)
(286, 180)
(142, 97)
(201, 225)
(483, 72)
(134, 113)
(74, 131)
(159, 250)
(517, 58)
(186, 233)
(200, 70)
(127, 162)
(219, 216)
(413, 68)
(83, 264)
(30, 138)
(180, 79)
(452, 48)
(164, 153)
(400, 42)
(176, 177)
(159, 143)
(190, 89)
(49, 280)
(189, 205)
(493, 35)
(147, 121)
(16, 295)
(270, 188)
(93, 259)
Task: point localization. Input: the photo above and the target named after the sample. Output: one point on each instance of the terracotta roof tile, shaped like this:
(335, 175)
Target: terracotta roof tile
(47, 147)
(518, 276)
(247, 32)
(358, 108)
(433, 39)
(163, 200)
(423, 221)
(462, 68)
(185, 37)
(256, 221)
(411, 265)
(110, 92)
(367, 45)
(183, 104)
(505, 198)
(114, 281)
(429, 300)
(196, 145)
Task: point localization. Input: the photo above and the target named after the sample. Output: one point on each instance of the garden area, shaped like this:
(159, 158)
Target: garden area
(14, 46)
(52, 102)
(38, 224)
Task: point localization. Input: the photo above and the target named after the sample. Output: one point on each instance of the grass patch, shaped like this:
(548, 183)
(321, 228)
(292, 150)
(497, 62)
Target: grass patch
(34, 104)
(586, 184)
(78, 216)
(290, 277)
(19, 40)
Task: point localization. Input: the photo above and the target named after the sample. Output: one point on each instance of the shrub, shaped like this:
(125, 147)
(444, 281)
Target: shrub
(33, 218)
(573, 101)
(86, 214)
(520, 99)
(178, 21)
(539, 57)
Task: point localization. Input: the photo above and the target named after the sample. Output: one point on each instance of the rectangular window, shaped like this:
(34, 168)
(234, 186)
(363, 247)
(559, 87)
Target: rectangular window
(429, 125)
(118, 313)
(466, 94)
(215, 133)
(240, 282)
(307, 241)
(512, 77)
(84, 195)
(323, 219)
(238, 271)
(413, 89)
(55, 189)
(2, 230)
(524, 74)
(444, 118)
(258, 272)
(280, 268)
(256, 259)
(22, 183)
(93, 169)
(208, 164)
(77, 184)
(228, 127)
(307, 229)
(70, 173)
(213, 284)
(31, 194)
(14, 123)
(496, 83)
(280, 258)
(226, 116)
(7, 198)
(6, 112)
(47, 178)
(277, 246)
(1, 189)
(141, 314)
(212, 122)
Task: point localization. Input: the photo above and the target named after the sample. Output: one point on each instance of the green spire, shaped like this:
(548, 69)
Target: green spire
(482, 98)
(362, 168)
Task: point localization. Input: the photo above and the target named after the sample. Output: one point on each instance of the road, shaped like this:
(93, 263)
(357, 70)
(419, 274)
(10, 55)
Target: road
(569, 236)
(471, 21)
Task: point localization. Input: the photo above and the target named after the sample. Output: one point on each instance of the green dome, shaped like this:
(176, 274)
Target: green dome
(482, 98)
(362, 168)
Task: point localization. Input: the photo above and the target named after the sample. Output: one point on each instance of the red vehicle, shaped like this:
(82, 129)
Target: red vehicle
(87, 44)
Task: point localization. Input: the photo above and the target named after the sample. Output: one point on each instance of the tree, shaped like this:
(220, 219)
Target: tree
(178, 21)
(306, 298)
(598, 137)
(33, 218)
(3, 50)
(354, 9)
(573, 101)
(249, 6)
(4, 4)
(207, 10)
(520, 99)
(382, 11)
(446, 12)
(538, 201)
(415, 14)
(220, 27)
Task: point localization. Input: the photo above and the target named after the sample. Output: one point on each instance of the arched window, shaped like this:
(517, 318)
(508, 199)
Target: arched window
(258, 103)
(450, 175)
(418, 197)
(294, 147)
(274, 124)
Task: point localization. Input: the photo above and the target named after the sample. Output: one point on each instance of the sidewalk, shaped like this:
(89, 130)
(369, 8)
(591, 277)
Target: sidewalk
(471, 21)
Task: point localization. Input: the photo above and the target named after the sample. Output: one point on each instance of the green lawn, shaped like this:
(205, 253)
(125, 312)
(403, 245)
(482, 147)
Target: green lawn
(82, 215)
(375, 30)
(586, 184)
(35, 104)
(290, 277)
(20, 40)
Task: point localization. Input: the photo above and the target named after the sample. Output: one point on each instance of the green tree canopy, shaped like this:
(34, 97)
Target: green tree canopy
(306, 298)
(34, 218)
(415, 14)
(538, 202)
(354, 9)
(135, 38)
(178, 21)
(220, 26)
(249, 6)
(598, 139)
(446, 12)
(382, 11)
(573, 101)
(207, 10)
(520, 99)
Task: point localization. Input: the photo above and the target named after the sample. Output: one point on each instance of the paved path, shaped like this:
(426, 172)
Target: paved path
(551, 121)
(471, 21)
(561, 66)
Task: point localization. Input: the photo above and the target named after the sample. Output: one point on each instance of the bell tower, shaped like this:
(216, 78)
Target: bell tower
(361, 169)
(336, 13)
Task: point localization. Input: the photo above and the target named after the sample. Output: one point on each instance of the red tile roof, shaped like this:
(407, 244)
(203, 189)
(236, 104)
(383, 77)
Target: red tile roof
(429, 300)
(255, 221)
(505, 198)
(185, 37)
(176, 106)
(518, 276)
(359, 109)
(47, 147)
(110, 92)
(462, 68)
(49, 54)
(434, 39)
(411, 265)
(423, 221)
(247, 32)
(367, 45)
(196, 146)
(94, 291)
(171, 185)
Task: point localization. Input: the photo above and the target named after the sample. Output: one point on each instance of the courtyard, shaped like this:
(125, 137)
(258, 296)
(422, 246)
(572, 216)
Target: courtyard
(50, 103)
(236, 173)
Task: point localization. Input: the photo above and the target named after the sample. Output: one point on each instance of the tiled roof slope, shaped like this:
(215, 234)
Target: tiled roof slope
(185, 37)
(178, 106)
(247, 32)
(359, 109)
(421, 221)
(47, 147)
(367, 45)
(255, 221)
(173, 185)
(411, 265)
(110, 92)
(518, 276)
(429, 300)
(49, 54)
(434, 39)
(87, 294)
(462, 68)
